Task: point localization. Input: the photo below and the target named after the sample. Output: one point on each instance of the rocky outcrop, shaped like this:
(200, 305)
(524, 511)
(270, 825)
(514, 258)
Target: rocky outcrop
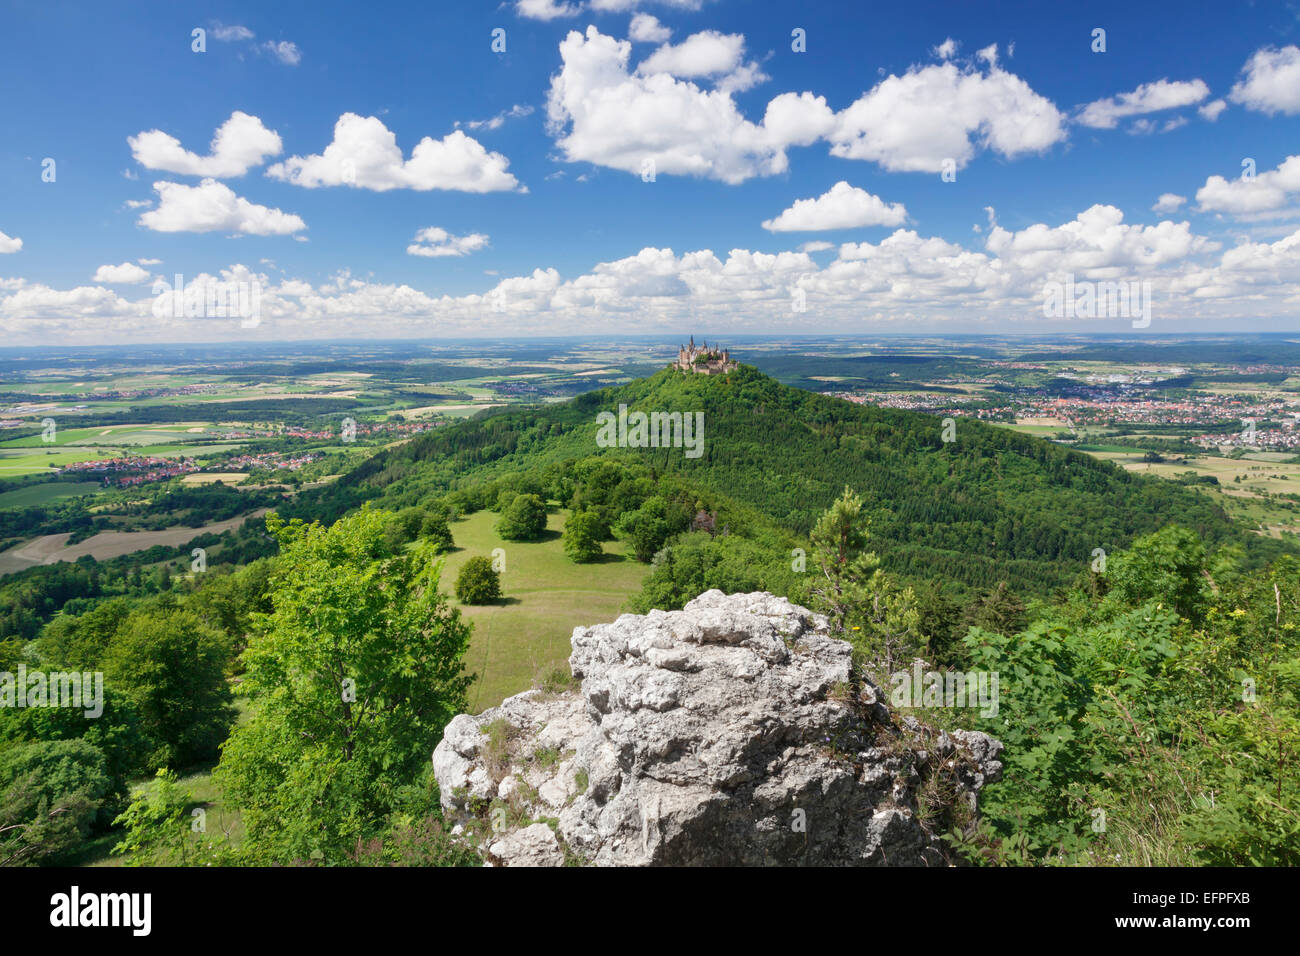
(733, 732)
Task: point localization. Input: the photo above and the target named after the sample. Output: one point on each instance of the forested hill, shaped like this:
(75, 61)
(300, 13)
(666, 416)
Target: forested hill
(990, 505)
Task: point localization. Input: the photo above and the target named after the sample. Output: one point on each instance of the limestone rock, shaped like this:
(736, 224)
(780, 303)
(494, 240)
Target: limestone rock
(728, 733)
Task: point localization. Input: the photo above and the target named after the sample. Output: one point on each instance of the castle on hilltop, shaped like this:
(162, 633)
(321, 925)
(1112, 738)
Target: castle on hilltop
(704, 360)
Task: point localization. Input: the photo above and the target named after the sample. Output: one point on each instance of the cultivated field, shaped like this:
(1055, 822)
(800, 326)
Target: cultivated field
(51, 548)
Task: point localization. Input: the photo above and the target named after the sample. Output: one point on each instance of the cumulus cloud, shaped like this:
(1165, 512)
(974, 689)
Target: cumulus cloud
(946, 50)
(841, 207)
(435, 242)
(647, 29)
(706, 55)
(365, 154)
(128, 273)
(1270, 81)
(906, 280)
(546, 9)
(211, 207)
(239, 144)
(1267, 193)
(1167, 203)
(602, 113)
(1097, 242)
(1147, 98)
(919, 121)
(9, 244)
(149, 262)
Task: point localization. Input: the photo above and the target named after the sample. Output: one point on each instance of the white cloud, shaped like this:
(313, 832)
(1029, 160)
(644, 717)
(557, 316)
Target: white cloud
(918, 121)
(9, 244)
(704, 54)
(1267, 193)
(239, 144)
(1167, 203)
(1270, 81)
(149, 262)
(229, 34)
(602, 114)
(128, 273)
(435, 242)
(284, 51)
(212, 206)
(1147, 98)
(626, 6)
(841, 207)
(905, 281)
(546, 9)
(517, 111)
(647, 29)
(138, 203)
(946, 50)
(365, 154)
(1096, 242)
(1211, 110)
(818, 245)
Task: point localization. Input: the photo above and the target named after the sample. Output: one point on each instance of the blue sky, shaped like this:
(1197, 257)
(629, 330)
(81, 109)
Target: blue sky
(586, 93)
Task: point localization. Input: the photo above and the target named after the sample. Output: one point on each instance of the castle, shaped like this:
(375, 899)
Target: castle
(704, 360)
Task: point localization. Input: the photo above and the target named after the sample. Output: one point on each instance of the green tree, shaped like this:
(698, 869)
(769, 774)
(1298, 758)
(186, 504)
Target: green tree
(880, 619)
(582, 537)
(436, 531)
(651, 525)
(352, 677)
(524, 519)
(172, 665)
(50, 797)
(478, 582)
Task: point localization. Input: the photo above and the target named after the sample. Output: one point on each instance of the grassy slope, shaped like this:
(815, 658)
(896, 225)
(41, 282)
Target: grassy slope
(547, 596)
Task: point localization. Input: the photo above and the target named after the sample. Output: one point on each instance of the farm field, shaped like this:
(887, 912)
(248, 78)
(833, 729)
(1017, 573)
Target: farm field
(46, 492)
(51, 548)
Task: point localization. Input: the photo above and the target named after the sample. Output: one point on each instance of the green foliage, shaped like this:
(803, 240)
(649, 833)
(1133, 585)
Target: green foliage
(582, 537)
(524, 519)
(436, 531)
(51, 793)
(861, 601)
(352, 676)
(698, 562)
(650, 526)
(992, 506)
(156, 824)
(1157, 725)
(172, 665)
(478, 582)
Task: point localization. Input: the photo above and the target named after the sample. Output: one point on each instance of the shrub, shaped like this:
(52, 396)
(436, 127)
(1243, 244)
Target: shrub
(478, 582)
